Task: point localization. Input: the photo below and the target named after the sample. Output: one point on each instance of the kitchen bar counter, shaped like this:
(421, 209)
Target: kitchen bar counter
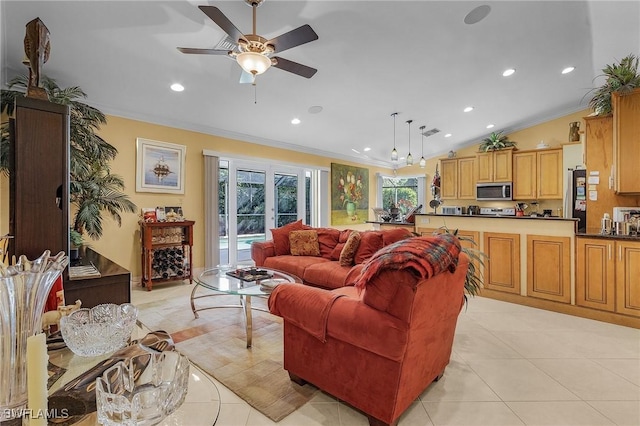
(382, 222)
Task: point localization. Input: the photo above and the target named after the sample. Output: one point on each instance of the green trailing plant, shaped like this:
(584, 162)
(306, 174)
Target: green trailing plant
(93, 189)
(495, 142)
(622, 77)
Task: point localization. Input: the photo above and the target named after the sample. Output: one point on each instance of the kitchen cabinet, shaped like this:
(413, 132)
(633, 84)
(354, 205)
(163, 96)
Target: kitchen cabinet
(608, 275)
(166, 251)
(599, 157)
(458, 178)
(626, 134)
(449, 179)
(549, 267)
(628, 278)
(502, 265)
(538, 175)
(595, 273)
(495, 166)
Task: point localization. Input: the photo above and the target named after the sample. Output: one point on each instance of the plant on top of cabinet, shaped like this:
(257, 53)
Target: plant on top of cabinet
(495, 142)
(622, 77)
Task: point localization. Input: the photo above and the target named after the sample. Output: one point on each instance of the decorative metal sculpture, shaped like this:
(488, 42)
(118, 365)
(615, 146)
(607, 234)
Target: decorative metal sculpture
(37, 47)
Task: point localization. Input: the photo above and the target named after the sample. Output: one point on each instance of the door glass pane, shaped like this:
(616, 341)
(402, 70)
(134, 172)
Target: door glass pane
(223, 211)
(250, 211)
(286, 198)
(307, 195)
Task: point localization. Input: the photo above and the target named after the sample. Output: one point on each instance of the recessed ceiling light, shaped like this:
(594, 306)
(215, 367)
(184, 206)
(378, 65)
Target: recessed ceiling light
(469, 108)
(367, 149)
(567, 70)
(315, 109)
(448, 135)
(295, 121)
(355, 150)
(508, 72)
(177, 87)
(490, 126)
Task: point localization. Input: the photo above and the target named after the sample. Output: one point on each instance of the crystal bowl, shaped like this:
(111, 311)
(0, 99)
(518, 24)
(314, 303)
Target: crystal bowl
(143, 389)
(99, 330)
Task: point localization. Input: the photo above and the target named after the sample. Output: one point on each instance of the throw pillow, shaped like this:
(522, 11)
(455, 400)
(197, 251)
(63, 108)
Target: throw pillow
(370, 242)
(304, 243)
(327, 240)
(280, 236)
(350, 247)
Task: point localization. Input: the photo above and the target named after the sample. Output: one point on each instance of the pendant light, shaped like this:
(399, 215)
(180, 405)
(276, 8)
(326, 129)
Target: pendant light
(409, 156)
(394, 153)
(423, 162)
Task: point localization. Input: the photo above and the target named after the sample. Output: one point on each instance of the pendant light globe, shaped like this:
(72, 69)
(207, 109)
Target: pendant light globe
(423, 162)
(409, 156)
(394, 152)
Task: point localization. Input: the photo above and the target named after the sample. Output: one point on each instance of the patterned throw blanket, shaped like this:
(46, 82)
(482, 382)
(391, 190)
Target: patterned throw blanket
(427, 256)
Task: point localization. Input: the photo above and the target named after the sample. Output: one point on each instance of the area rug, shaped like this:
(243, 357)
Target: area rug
(216, 343)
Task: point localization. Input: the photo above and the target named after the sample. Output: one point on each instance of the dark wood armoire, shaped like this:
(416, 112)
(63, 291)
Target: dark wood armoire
(39, 181)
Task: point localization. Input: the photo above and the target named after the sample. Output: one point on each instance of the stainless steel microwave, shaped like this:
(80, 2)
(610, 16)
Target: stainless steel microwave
(494, 191)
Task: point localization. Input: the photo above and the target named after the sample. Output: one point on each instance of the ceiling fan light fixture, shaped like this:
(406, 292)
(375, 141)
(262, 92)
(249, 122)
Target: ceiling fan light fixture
(254, 63)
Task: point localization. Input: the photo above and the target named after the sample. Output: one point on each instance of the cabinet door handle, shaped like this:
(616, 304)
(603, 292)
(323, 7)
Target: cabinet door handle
(609, 250)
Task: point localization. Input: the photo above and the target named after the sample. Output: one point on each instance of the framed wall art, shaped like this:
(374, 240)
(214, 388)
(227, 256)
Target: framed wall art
(349, 194)
(160, 166)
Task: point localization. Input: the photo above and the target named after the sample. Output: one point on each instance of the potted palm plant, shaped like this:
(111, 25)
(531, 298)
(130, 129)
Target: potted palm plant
(622, 77)
(94, 190)
(495, 142)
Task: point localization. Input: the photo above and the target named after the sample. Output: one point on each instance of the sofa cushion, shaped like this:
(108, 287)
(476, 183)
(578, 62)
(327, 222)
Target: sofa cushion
(370, 242)
(304, 243)
(293, 264)
(327, 274)
(327, 240)
(348, 253)
(335, 253)
(280, 236)
(393, 235)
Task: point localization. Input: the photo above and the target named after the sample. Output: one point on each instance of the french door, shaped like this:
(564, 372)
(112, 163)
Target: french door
(254, 198)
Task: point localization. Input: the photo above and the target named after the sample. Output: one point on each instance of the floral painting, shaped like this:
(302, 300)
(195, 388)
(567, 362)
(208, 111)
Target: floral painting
(349, 194)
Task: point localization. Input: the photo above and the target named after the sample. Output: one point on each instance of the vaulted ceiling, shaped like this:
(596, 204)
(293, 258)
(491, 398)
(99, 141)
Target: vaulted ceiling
(418, 58)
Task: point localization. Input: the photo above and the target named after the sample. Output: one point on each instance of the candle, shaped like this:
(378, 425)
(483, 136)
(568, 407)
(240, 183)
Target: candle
(37, 377)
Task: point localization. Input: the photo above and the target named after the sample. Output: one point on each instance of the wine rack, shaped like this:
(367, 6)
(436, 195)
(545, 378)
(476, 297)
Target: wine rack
(166, 252)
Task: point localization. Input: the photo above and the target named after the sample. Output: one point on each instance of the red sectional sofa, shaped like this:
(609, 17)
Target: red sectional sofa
(323, 269)
(379, 343)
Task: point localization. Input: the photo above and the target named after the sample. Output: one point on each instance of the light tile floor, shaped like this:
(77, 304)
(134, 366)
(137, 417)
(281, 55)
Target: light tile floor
(511, 365)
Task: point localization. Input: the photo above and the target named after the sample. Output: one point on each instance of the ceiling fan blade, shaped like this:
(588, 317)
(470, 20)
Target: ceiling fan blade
(294, 67)
(196, 51)
(293, 38)
(223, 22)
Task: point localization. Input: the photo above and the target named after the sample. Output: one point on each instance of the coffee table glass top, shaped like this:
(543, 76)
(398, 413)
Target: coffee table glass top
(217, 279)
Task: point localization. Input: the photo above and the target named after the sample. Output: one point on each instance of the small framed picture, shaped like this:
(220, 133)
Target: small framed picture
(160, 167)
(160, 214)
(149, 214)
(173, 214)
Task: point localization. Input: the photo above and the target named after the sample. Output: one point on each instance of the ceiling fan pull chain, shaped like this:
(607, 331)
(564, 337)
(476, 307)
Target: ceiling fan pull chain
(255, 93)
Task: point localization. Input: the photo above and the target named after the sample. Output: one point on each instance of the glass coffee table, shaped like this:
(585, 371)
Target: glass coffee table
(217, 280)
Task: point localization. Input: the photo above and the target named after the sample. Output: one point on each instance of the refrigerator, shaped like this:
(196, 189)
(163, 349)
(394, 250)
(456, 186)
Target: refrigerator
(575, 201)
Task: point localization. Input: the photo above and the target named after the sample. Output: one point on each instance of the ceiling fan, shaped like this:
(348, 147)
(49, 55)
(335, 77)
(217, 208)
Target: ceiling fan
(253, 52)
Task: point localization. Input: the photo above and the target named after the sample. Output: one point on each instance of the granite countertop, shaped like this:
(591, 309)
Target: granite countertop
(485, 216)
(595, 233)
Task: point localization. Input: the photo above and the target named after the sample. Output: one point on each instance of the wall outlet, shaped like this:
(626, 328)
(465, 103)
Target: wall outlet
(423, 220)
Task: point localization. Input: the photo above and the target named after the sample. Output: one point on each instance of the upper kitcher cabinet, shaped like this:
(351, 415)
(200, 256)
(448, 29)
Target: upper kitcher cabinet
(495, 166)
(626, 141)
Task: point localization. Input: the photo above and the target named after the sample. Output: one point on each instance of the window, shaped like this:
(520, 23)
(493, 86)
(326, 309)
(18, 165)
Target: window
(403, 192)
